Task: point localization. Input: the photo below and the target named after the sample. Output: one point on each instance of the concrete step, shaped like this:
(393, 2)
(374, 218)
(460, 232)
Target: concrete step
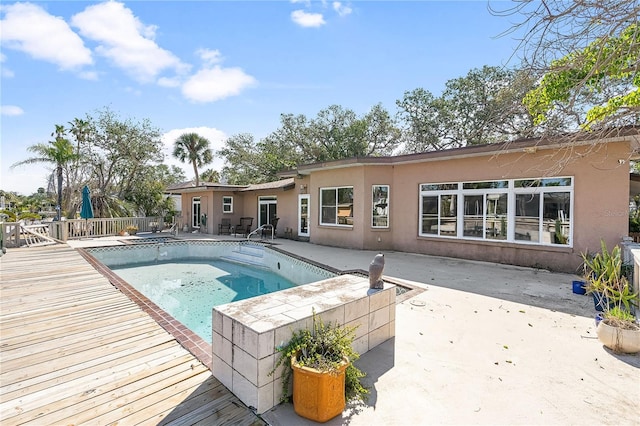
(248, 254)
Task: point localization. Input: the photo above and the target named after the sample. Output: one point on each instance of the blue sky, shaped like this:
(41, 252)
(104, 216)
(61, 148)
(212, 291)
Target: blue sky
(224, 67)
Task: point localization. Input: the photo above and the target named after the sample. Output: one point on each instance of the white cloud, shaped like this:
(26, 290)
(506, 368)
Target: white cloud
(169, 82)
(213, 84)
(341, 9)
(5, 72)
(215, 136)
(126, 41)
(30, 29)
(11, 110)
(209, 57)
(305, 19)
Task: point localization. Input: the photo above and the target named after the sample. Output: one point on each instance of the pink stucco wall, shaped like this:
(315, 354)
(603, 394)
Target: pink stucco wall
(600, 202)
(600, 211)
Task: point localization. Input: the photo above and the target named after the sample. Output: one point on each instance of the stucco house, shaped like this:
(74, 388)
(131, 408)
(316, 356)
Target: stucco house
(534, 202)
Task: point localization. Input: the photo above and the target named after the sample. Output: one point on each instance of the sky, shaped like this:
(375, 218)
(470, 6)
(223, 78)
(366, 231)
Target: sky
(221, 68)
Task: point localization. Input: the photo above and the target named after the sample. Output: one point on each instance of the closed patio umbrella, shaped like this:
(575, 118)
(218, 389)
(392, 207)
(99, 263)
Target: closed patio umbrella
(86, 212)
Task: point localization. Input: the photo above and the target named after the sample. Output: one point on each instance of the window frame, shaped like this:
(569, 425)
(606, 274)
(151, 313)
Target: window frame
(227, 204)
(321, 210)
(386, 209)
(512, 188)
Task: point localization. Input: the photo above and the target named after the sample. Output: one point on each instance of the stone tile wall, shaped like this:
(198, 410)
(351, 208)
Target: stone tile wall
(246, 333)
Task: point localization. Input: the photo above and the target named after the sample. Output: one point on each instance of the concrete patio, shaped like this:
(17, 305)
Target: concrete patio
(483, 344)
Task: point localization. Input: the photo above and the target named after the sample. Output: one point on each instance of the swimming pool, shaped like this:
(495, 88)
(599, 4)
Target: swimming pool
(189, 289)
(188, 279)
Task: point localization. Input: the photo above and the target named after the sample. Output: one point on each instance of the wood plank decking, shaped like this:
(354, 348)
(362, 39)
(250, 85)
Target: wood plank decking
(75, 350)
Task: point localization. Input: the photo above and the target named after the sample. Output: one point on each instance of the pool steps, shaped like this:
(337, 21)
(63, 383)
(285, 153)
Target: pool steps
(247, 254)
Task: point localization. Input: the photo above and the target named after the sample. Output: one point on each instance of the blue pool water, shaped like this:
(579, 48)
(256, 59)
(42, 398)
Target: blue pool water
(187, 279)
(189, 289)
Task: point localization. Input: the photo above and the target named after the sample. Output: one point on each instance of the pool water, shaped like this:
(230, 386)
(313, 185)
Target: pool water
(189, 289)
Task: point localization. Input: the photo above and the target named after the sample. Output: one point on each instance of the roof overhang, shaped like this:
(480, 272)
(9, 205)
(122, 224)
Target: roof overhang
(529, 146)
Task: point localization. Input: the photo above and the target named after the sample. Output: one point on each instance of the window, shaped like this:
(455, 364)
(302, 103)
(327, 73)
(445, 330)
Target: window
(227, 204)
(439, 210)
(485, 216)
(195, 216)
(336, 206)
(543, 210)
(380, 206)
(536, 211)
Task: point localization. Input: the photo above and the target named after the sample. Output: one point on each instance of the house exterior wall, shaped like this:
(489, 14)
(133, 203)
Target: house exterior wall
(340, 236)
(599, 210)
(287, 201)
(600, 204)
(211, 205)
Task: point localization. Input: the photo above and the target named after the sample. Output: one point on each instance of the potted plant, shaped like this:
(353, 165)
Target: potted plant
(320, 362)
(132, 229)
(614, 295)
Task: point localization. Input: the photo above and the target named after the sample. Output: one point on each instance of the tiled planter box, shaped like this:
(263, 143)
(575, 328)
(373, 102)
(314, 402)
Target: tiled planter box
(246, 333)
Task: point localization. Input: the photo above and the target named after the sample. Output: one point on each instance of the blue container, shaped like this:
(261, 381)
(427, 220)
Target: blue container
(579, 287)
(600, 302)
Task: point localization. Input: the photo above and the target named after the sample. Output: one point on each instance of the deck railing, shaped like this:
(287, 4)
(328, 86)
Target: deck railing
(13, 236)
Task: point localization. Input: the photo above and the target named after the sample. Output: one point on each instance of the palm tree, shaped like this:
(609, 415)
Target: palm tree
(58, 152)
(195, 149)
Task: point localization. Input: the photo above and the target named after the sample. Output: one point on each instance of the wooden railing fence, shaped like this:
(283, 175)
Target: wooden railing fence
(14, 236)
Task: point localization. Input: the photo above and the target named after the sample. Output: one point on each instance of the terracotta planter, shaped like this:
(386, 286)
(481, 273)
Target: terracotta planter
(618, 339)
(318, 396)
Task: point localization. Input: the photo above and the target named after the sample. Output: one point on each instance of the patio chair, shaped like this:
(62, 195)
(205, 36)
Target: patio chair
(269, 229)
(244, 227)
(224, 227)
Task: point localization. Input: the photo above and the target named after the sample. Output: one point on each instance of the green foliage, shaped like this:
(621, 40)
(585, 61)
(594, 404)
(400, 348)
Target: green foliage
(335, 133)
(194, 149)
(210, 175)
(634, 222)
(605, 277)
(485, 106)
(560, 238)
(29, 216)
(11, 216)
(324, 347)
(147, 194)
(603, 63)
(634, 214)
(58, 153)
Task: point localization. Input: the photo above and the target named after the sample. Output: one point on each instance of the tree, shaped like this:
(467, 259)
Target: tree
(58, 153)
(195, 149)
(335, 133)
(382, 133)
(420, 112)
(485, 106)
(607, 63)
(147, 195)
(243, 160)
(117, 152)
(588, 52)
(210, 175)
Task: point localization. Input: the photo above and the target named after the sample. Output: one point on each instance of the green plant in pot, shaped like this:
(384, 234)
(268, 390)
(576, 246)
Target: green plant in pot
(614, 295)
(319, 362)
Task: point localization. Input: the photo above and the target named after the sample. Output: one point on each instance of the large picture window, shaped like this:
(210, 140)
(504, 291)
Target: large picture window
(336, 206)
(380, 206)
(536, 211)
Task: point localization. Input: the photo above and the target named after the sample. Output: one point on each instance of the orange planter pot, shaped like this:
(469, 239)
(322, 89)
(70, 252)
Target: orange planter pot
(318, 396)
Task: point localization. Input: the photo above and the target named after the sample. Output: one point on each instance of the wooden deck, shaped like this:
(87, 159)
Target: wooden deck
(75, 350)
